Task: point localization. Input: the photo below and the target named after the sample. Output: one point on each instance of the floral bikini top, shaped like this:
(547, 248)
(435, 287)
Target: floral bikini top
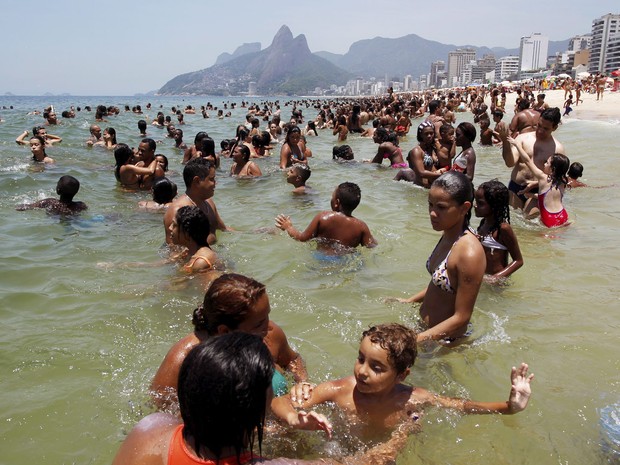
(439, 276)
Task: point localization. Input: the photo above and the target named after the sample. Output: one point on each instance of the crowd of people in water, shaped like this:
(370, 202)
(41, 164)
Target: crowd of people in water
(215, 386)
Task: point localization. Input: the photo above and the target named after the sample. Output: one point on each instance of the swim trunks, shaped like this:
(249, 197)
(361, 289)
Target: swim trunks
(516, 188)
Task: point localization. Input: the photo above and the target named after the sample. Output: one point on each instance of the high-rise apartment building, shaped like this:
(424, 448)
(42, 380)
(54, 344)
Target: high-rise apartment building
(437, 72)
(456, 63)
(533, 52)
(605, 31)
(506, 67)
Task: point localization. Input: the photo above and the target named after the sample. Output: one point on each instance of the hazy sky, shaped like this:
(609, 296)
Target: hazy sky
(124, 47)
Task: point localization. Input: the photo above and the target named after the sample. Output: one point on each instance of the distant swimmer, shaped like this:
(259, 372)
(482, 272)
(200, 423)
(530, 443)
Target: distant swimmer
(66, 188)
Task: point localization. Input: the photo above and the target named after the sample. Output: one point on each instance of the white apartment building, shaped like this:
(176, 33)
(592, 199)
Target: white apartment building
(605, 30)
(506, 66)
(533, 52)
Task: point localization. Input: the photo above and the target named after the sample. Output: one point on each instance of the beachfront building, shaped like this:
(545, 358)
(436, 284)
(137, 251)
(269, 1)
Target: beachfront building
(457, 60)
(506, 67)
(605, 31)
(438, 69)
(579, 43)
(612, 59)
(481, 68)
(408, 83)
(533, 52)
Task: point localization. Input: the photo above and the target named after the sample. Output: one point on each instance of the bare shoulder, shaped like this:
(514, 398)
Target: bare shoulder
(147, 443)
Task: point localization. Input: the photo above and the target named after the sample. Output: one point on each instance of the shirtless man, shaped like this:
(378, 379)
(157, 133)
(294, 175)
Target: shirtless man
(66, 188)
(95, 135)
(524, 120)
(193, 151)
(146, 155)
(539, 145)
(540, 104)
(199, 178)
(50, 139)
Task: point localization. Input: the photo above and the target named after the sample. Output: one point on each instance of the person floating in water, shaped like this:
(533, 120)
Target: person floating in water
(337, 227)
(66, 188)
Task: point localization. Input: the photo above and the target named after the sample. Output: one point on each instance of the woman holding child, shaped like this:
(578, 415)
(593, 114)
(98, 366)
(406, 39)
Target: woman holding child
(456, 265)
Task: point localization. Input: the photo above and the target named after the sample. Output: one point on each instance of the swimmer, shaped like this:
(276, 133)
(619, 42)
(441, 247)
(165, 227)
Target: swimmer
(66, 188)
(95, 135)
(456, 265)
(422, 159)
(376, 396)
(495, 233)
(178, 140)
(164, 192)
(575, 171)
(445, 146)
(551, 182)
(50, 139)
(142, 128)
(242, 166)
(190, 229)
(341, 129)
(108, 139)
(297, 175)
(342, 153)
(232, 303)
(37, 148)
(337, 228)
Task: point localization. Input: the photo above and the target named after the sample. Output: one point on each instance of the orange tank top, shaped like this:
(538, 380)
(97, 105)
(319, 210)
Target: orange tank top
(179, 454)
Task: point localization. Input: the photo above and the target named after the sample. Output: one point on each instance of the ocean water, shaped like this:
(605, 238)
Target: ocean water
(88, 311)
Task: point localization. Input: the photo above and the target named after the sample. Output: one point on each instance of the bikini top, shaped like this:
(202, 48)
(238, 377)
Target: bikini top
(489, 241)
(439, 277)
(460, 163)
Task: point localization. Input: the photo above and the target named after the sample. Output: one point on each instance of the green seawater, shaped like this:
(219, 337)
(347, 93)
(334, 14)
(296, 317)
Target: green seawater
(87, 312)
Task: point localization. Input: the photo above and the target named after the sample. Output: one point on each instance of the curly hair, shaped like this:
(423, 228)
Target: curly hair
(496, 194)
(398, 340)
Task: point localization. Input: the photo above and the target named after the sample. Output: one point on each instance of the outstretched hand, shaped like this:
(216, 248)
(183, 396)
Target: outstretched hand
(283, 222)
(313, 421)
(521, 390)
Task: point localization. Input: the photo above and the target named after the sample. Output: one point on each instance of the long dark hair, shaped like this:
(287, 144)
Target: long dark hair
(497, 196)
(222, 390)
(559, 167)
(460, 189)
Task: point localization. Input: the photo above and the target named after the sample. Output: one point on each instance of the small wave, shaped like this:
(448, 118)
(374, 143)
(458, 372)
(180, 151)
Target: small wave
(14, 168)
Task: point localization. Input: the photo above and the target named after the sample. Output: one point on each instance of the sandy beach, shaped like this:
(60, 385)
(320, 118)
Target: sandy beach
(590, 109)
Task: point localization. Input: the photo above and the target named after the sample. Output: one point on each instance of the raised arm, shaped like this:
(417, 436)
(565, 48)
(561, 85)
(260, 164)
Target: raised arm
(509, 153)
(526, 159)
(285, 224)
(20, 139)
(518, 398)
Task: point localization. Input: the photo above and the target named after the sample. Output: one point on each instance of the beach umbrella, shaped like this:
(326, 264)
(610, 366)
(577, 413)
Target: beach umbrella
(506, 83)
(616, 73)
(583, 74)
(563, 76)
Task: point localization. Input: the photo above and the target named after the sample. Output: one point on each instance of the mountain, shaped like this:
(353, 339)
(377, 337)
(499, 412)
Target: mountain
(410, 54)
(240, 51)
(286, 67)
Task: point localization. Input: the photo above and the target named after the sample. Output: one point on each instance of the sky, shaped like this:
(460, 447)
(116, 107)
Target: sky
(123, 47)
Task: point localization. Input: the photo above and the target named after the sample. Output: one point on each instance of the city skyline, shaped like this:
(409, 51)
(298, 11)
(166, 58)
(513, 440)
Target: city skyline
(137, 47)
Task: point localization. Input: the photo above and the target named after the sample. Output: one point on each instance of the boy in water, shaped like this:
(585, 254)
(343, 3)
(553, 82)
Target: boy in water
(375, 394)
(297, 175)
(66, 188)
(337, 228)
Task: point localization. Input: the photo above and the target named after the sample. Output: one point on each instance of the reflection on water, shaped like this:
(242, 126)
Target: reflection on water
(81, 343)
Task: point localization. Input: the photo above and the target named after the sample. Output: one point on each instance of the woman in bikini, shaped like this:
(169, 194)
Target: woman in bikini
(128, 174)
(388, 149)
(422, 159)
(292, 150)
(242, 166)
(465, 161)
(456, 265)
(190, 228)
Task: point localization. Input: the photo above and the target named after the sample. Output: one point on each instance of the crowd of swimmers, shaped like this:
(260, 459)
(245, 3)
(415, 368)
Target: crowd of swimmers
(215, 386)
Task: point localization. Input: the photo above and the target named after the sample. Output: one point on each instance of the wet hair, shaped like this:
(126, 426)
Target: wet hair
(142, 126)
(242, 134)
(112, 133)
(575, 170)
(291, 130)
(498, 113)
(165, 167)
(398, 341)
(122, 154)
(342, 152)
(349, 195)
(67, 186)
(222, 390)
(36, 129)
(422, 127)
(198, 138)
(523, 104)
(433, 105)
(42, 142)
(196, 167)
(164, 190)
(152, 144)
(245, 151)
(382, 134)
(207, 147)
(459, 187)
(301, 170)
(225, 144)
(227, 302)
(445, 128)
(195, 223)
(497, 196)
(468, 130)
(553, 115)
(559, 168)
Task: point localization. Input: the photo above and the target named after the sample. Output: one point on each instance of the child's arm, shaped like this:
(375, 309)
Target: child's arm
(367, 238)
(286, 357)
(517, 401)
(509, 239)
(508, 153)
(285, 224)
(527, 160)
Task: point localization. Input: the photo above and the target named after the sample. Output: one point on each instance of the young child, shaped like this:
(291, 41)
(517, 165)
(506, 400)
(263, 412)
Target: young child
(335, 229)
(297, 175)
(445, 146)
(551, 181)
(567, 105)
(375, 394)
(486, 133)
(495, 234)
(342, 153)
(190, 228)
(66, 188)
(164, 192)
(575, 171)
